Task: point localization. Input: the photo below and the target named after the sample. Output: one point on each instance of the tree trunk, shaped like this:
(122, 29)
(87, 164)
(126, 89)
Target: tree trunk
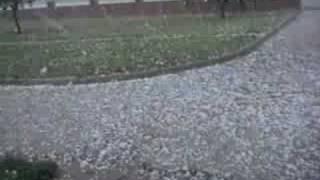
(188, 4)
(15, 9)
(222, 11)
(94, 3)
(222, 6)
(243, 5)
(210, 4)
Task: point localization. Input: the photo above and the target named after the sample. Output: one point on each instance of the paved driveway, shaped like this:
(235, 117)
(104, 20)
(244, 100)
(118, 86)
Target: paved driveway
(254, 118)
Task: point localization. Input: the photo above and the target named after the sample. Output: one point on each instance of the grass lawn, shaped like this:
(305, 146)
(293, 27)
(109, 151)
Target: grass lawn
(103, 46)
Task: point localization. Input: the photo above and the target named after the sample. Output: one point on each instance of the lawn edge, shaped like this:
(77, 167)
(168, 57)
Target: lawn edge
(147, 74)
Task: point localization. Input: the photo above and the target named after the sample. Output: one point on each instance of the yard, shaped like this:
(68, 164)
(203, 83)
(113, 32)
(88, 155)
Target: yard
(81, 47)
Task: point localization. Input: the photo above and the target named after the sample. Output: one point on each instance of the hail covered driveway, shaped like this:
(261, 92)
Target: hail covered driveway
(257, 117)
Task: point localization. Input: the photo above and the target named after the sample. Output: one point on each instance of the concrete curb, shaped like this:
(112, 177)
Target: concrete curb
(98, 79)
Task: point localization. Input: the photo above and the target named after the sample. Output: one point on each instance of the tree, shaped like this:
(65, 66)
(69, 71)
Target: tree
(13, 5)
(223, 3)
(188, 4)
(243, 5)
(222, 7)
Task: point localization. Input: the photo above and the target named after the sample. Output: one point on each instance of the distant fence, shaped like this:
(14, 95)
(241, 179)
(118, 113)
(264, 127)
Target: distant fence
(120, 9)
(151, 8)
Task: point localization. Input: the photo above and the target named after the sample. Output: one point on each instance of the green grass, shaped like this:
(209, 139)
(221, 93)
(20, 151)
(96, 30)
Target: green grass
(12, 168)
(104, 46)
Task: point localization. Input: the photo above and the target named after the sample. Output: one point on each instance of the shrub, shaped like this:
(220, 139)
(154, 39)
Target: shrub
(12, 168)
